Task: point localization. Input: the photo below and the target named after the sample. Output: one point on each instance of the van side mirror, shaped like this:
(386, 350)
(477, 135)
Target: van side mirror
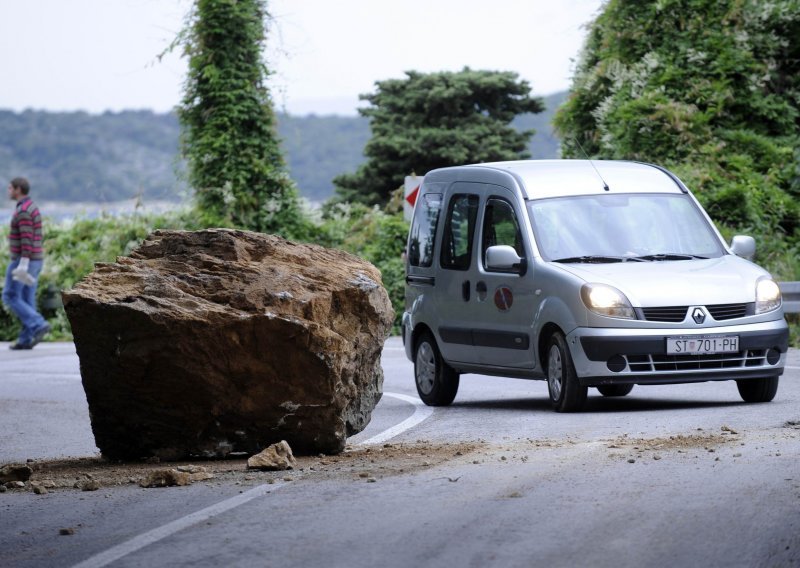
(744, 246)
(503, 258)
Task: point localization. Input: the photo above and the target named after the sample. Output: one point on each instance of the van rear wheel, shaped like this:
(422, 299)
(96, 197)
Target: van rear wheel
(566, 393)
(758, 390)
(437, 382)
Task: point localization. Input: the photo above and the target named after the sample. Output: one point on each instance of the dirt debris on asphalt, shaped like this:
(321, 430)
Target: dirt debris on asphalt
(365, 464)
(372, 463)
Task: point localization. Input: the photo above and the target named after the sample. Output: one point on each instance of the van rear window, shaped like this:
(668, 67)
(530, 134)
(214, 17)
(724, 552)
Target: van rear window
(459, 228)
(423, 230)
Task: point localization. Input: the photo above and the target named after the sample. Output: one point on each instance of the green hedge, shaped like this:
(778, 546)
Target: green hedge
(72, 249)
(374, 234)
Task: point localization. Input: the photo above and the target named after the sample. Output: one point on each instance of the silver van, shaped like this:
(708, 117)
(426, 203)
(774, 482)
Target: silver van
(604, 274)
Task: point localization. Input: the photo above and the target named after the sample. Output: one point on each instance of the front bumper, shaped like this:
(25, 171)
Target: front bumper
(605, 356)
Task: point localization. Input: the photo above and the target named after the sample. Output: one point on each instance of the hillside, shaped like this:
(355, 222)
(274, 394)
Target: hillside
(116, 156)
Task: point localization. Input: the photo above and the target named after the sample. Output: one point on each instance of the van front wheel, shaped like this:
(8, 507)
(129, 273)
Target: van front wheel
(566, 393)
(758, 390)
(437, 382)
(615, 390)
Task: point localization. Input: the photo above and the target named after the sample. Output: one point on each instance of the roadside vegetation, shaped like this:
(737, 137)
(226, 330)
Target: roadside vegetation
(709, 89)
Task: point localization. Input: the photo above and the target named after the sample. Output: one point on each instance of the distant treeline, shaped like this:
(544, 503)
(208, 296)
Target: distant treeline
(109, 157)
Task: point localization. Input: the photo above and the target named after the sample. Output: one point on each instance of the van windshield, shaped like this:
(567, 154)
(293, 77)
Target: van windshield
(616, 228)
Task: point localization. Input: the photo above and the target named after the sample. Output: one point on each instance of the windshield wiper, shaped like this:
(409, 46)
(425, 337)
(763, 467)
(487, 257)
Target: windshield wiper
(670, 256)
(597, 259)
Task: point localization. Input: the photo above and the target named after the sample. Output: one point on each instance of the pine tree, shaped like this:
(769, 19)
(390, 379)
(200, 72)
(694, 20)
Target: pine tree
(433, 120)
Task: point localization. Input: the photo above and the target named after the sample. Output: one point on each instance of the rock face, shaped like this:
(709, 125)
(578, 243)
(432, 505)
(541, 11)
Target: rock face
(205, 343)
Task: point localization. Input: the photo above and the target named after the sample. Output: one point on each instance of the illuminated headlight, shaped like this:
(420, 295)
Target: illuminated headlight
(768, 296)
(607, 301)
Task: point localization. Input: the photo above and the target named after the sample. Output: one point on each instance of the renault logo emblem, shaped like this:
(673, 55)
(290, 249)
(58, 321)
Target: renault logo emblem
(698, 315)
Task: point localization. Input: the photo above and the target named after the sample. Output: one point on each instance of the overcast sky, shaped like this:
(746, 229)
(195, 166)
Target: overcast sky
(98, 55)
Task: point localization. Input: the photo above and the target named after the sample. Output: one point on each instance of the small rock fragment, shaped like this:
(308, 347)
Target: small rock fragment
(275, 458)
(631, 460)
(88, 485)
(729, 429)
(15, 472)
(166, 478)
(66, 532)
(200, 476)
(191, 468)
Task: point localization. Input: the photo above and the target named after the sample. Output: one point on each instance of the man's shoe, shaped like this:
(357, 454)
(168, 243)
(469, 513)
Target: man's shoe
(39, 334)
(17, 346)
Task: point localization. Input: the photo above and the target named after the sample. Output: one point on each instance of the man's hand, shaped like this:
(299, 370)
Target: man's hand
(21, 274)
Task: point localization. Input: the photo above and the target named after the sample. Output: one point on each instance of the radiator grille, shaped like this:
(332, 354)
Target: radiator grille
(673, 314)
(656, 362)
(727, 311)
(676, 314)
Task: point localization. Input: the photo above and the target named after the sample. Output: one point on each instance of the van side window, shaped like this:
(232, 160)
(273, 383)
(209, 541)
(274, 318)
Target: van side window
(423, 230)
(459, 228)
(500, 227)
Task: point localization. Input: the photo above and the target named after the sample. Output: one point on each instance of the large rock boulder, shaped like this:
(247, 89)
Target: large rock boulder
(205, 343)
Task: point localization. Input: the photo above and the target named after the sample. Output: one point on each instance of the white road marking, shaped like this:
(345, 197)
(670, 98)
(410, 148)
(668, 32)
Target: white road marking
(785, 367)
(421, 412)
(145, 539)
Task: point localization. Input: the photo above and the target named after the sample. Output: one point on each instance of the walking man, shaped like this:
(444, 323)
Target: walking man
(27, 258)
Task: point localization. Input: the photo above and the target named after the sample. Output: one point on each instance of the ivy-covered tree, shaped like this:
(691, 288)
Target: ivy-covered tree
(235, 165)
(432, 120)
(709, 88)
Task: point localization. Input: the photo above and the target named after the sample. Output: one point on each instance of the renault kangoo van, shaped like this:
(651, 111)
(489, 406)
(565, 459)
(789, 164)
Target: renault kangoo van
(603, 274)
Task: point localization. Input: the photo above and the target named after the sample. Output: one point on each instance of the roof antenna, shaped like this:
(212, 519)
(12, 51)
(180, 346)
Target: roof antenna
(605, 185)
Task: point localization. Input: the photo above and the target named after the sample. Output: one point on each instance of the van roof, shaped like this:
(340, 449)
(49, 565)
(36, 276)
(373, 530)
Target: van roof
(554, 178)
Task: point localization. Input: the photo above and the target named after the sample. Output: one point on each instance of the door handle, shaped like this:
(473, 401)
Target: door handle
(480, 289)
(465, 290)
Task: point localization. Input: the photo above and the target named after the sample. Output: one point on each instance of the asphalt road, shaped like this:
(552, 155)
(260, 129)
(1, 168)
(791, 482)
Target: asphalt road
(667, 476)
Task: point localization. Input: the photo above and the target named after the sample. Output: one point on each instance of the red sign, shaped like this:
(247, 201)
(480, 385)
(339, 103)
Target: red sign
(412, 197)
(503, 298)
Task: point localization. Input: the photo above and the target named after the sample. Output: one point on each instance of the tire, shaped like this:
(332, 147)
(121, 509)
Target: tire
(437, 382)
(566, 393)
(758, 390)
(615, 390)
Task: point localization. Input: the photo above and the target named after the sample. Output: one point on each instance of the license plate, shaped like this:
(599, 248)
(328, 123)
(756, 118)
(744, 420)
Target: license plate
(702, 344)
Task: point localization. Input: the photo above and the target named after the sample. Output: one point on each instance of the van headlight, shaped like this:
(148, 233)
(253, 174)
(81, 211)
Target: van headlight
(607, 301)
(768, 296)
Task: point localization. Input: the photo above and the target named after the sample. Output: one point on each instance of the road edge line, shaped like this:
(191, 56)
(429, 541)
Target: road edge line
(421, 412)
(152, 536)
